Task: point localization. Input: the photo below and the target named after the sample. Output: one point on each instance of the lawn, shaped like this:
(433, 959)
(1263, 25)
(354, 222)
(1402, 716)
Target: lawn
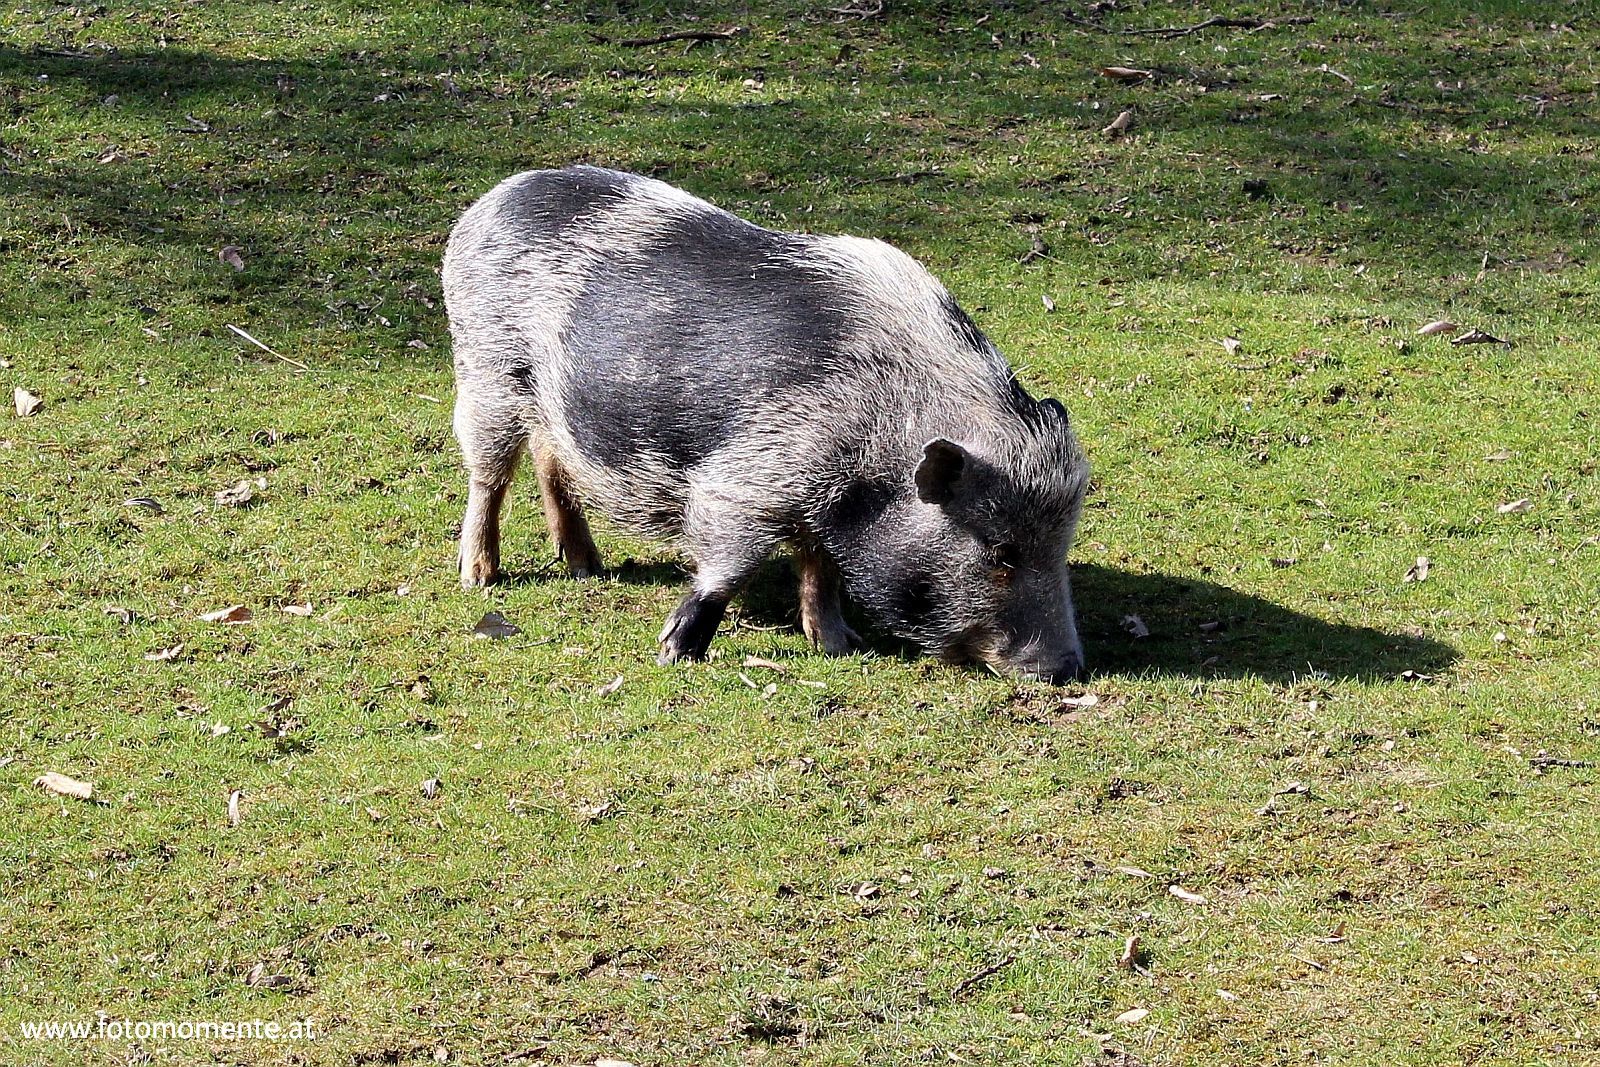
(1371, 782)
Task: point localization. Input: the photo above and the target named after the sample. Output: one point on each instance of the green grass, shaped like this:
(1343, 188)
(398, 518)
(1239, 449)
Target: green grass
(666, 875)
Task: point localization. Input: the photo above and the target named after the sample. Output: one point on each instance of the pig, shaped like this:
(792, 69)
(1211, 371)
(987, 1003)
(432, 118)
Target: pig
(728, 388)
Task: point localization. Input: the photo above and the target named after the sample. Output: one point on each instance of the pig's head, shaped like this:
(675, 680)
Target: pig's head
(968, 558)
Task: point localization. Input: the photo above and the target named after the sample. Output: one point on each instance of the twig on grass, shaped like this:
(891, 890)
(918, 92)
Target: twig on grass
(860, 11)
(1220, 20)
(988, 972)
(667, 38)
(908, 176)
(1184, 31)
(264, 348)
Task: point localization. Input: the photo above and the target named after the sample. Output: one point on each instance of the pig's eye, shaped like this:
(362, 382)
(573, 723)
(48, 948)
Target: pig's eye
(1007, 557)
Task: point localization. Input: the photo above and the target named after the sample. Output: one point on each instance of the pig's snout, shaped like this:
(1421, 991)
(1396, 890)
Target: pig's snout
(1056, 671)
(1053, 663)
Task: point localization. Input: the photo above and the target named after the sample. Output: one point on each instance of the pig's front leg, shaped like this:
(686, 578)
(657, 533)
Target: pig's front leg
(726, 559)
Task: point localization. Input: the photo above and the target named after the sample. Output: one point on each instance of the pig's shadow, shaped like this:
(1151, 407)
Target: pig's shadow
(1198, 629)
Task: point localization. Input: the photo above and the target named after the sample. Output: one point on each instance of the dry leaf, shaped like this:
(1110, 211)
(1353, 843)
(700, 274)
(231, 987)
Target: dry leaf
(1229, 997)
(1134, 872)
(233, 807)
(593, 813)
(233, 615)
(1418, 571)
(164, 655)
(1130, 953)
(374, 814)
(611, 1063)
(431, 787)
(610, 687)
(148, 503)
(61, 785)
(220, 728)
(230, 255)
(1119, 125)
(1049, 305)
(1125, 74)
(865, 890)
(1498, 456)
(1283, 562)
(1232, 344)
(1478, 337)
(302, 610)
(1087, 700)
(1185, 895)
(27, 403)
(757, 661)
(1135, 626)
(236, 496)
(121, 614)
(1133, 1015)
(1441, 326)
(274, 728)
(1516, 507)
(995, 872)
(495, 626)
(1334, 938)
(257, 978)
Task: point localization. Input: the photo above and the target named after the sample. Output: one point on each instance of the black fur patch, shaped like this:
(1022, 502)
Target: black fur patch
(548, 201)
(860, 503)
(522, 375)
(965, 328)
(676, 344)
(916, 601)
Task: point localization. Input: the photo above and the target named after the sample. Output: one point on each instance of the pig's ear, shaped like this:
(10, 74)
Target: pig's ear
(940, 471)
(1056, 408)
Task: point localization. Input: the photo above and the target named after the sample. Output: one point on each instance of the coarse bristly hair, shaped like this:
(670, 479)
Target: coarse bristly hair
(702, 379)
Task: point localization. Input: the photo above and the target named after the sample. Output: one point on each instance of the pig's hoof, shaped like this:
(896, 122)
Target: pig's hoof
(479, 573)
(834, 639)
(689, 629)
(581, 564)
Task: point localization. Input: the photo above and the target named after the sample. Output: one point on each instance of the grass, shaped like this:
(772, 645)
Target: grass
(672, 873)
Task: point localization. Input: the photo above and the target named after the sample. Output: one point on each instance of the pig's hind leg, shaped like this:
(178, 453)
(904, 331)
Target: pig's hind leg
(563, 514)
(821, 616)
(491, 441)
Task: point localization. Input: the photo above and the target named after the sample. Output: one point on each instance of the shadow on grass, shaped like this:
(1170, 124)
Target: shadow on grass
(342, 140)
(1200, 629)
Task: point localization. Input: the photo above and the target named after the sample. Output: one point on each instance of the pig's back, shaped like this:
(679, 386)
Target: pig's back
(657, 333)
(656, 322)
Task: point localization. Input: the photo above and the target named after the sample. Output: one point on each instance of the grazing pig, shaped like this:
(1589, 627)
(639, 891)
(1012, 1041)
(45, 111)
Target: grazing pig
(728, 388)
